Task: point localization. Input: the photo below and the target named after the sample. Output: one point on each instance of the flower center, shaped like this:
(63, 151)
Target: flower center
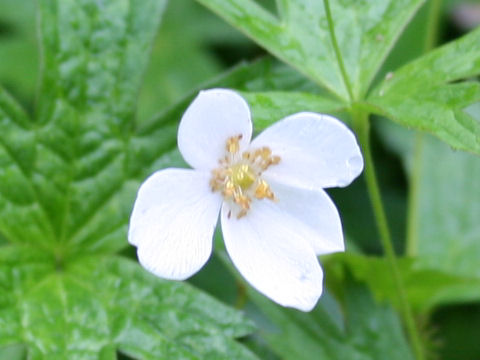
(239, 176)
(242, 176)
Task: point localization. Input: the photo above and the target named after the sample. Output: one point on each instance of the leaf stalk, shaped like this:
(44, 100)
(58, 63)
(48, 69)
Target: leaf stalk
(362, 126)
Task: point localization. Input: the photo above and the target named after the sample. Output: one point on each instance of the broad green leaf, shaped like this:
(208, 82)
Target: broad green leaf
(95, 306)
(68, 179)
(426, 94)
(299, 35)
(18, 65)
(426, 286)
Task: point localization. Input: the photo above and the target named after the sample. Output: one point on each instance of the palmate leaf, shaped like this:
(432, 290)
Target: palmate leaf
(429, 93)
(419, 96)
(67, 183)
(299, 35)
(96, 306)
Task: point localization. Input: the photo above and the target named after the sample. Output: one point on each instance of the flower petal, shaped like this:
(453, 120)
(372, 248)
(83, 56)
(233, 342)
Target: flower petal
(273, 257)
(316, 151)
(213, 117)
(313, 215)
(173, 221)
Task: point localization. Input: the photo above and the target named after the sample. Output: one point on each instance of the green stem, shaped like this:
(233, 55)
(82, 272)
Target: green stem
(362, 125)
(431, 40)
(433, 22)
(336, 48)
(413, 197)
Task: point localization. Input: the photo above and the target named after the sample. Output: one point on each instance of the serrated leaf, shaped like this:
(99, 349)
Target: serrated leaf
(93, 58)
(100, 305)
(299, 35)
(68, 180)
(426, 95)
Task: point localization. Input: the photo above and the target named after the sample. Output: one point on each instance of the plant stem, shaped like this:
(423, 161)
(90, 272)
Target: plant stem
(362, 125)
(433, 22)
(338, 54)
(413, 196)
(431, 40)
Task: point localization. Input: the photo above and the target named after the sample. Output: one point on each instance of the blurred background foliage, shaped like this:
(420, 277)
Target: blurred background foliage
(193, 46)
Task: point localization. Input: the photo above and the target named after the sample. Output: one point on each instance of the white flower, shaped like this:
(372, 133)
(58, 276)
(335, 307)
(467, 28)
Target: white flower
(275, 216)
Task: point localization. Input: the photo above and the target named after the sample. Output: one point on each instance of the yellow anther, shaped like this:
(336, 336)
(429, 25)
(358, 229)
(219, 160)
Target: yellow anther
(242, 200)
(274, 160)
(263, 191)
(233, 144)
(266, 152)
(229, 189)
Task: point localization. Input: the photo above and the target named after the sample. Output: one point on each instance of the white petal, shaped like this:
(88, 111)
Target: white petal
(312, 214)
(213, 117)
(316, 151)
(173, 221)
(273, 257)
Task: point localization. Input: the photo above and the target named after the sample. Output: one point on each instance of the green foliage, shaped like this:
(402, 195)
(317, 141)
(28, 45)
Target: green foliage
(95, 306)
(366, 330)
(426, 94)
(445, 228)
(426, 286)
(69, 174)
(18, 47)
(418, 96)
(67, 181)
(356, 328)
(299, 35)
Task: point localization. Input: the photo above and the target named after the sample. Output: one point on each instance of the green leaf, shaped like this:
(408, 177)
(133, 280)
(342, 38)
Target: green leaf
(93, 58)
(426, 286)
(99, 305)
(269, 107)
(67, 184)
(426, 95)
(18, 68)
(299, 35)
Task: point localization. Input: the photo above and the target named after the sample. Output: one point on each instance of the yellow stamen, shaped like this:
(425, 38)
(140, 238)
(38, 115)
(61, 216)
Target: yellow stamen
(263, 191)
(233, 144)
(239, 176)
